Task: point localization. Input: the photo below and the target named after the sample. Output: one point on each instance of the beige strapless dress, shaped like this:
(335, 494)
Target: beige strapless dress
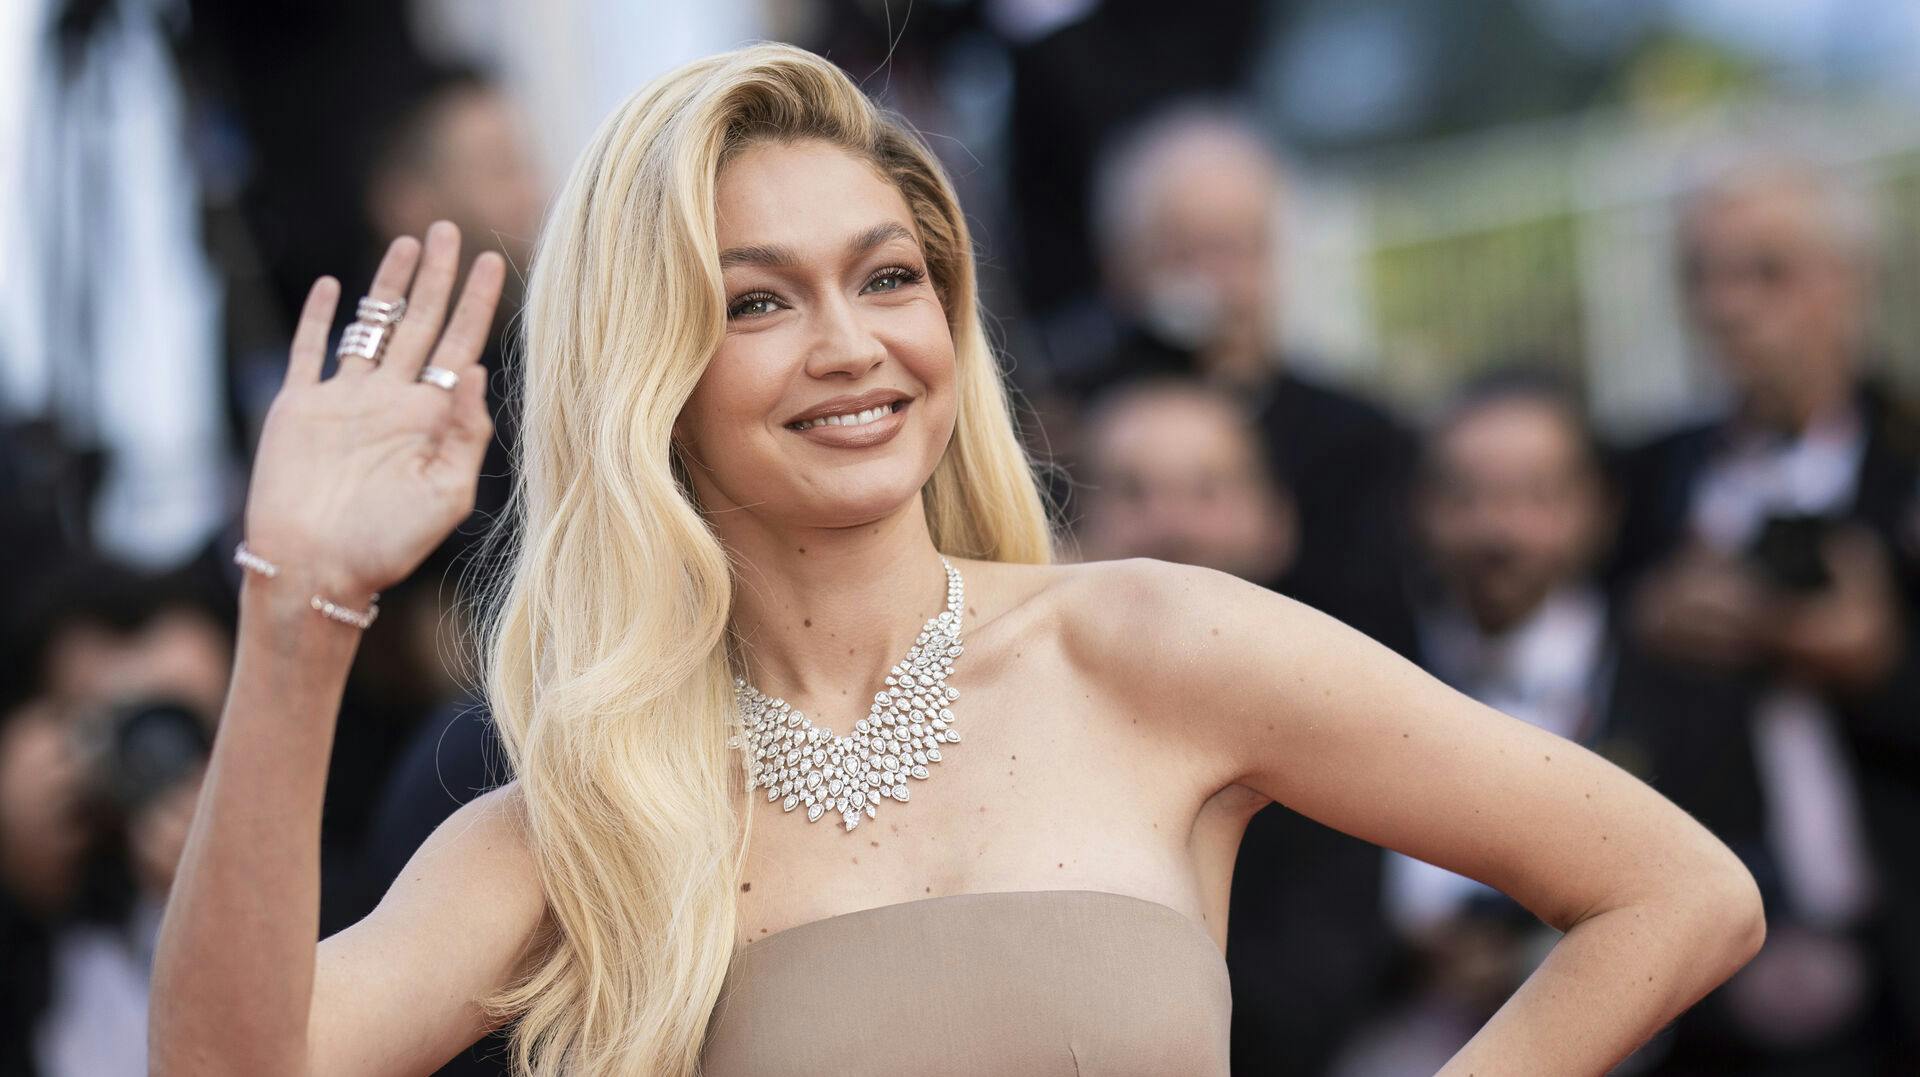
(1047, 983)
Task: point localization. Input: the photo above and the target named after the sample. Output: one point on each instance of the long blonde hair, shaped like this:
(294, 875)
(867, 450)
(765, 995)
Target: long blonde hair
(604, 644)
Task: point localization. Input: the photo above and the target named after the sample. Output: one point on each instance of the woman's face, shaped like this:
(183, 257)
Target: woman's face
(831, 398)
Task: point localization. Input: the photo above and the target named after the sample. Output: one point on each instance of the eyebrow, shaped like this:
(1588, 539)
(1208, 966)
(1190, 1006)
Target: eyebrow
(777, 256)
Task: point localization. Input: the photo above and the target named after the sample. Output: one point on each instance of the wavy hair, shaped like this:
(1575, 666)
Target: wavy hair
(603, 646)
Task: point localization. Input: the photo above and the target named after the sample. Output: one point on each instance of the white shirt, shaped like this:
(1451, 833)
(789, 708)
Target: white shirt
(1813, 822)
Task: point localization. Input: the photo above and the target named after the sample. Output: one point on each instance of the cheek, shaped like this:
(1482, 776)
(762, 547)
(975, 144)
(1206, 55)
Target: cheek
(921, 343)
(736, 392)
(924, 344)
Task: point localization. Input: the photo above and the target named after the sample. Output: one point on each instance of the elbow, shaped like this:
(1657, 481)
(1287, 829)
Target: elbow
(1731, 912)
(1750, 916)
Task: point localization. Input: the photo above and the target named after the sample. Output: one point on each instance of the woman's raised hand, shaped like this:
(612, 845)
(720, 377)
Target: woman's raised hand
(358, 477)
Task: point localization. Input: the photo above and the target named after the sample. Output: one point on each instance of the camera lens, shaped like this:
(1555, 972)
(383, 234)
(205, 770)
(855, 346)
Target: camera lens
(152, 744)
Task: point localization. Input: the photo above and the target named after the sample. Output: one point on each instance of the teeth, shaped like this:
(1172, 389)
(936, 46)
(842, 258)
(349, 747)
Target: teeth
(860, 418)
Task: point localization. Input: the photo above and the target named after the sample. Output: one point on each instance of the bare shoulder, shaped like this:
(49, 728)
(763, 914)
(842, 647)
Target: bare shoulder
(1090, 595)
(1139, 623)
(1140, 632)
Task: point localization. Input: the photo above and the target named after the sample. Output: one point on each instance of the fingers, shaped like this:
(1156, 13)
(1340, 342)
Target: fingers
(389, 284)
(396, 269)
(309, 351)
(471, 426)
(472, 324)
(426, 304)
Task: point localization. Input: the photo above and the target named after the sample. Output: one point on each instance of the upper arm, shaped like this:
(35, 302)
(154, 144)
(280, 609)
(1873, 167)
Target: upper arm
(399, 992)
(1285, 700)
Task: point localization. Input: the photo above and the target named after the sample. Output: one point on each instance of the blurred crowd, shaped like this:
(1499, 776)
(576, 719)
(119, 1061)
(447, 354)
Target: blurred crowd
(1729, 609)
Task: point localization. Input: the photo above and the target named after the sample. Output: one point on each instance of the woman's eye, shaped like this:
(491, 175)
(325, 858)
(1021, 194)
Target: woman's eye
(893, 279)
(751, 306)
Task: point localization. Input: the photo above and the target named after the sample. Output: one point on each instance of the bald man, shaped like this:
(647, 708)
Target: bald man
(1187, 221)
(1770, 575)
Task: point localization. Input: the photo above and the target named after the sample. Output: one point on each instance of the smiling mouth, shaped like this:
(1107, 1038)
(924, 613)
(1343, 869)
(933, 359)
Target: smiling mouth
(853, 418)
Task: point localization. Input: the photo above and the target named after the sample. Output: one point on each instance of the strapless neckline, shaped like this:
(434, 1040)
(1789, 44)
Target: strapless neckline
(926, 903)
(1043, 983)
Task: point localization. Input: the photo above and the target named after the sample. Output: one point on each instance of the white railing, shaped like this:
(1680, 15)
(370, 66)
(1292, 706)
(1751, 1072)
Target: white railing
(1555, 240)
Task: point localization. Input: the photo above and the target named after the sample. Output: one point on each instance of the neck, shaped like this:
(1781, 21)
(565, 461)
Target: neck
(821, 614)
(1237, 361)
(1819, 400)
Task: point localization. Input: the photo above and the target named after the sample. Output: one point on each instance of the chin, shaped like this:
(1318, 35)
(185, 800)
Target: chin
(851, 508)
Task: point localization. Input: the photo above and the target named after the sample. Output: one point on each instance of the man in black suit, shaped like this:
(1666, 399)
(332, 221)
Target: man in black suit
(1186, 216)
(1770, 573)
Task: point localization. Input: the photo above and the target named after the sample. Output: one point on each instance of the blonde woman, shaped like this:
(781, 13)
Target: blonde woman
(821, 766)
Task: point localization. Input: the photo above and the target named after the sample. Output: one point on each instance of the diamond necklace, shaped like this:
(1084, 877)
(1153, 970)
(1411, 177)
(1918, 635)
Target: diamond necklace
(799, 763)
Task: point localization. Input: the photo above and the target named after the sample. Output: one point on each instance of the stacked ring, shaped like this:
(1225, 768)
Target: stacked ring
(372, 326)
(380, 311)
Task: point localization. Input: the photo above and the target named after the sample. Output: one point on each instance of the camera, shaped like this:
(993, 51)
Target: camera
(1789, 553)
(142, 748)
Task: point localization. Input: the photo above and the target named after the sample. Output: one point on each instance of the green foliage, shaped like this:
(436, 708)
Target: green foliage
(1444, 306)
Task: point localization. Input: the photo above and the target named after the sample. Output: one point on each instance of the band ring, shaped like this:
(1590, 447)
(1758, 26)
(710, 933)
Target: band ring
(440, 376)
(379, 311)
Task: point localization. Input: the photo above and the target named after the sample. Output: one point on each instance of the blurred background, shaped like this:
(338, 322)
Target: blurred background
(1567, 347)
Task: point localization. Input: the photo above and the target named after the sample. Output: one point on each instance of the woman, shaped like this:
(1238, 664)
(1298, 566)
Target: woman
(766, 453)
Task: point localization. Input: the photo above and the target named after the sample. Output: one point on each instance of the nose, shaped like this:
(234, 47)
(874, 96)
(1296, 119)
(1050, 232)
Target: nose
(842, 342)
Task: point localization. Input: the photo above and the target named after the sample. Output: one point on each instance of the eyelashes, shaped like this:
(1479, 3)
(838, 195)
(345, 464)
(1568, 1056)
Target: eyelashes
(742, 307)
(901, 276)
(761, 303)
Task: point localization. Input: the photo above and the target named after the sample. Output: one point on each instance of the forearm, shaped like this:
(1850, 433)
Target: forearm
(1610, 983)
(233, 972)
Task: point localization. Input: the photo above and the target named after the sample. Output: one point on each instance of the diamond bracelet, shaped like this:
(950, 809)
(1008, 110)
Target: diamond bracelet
(253, 562)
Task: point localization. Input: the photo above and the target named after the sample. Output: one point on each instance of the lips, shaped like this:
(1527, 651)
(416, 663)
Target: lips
(852, 410)
(859, 418)
(875, 425)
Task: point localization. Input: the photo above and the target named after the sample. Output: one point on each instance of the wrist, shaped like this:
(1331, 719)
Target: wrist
(276, 619)
(281, 591)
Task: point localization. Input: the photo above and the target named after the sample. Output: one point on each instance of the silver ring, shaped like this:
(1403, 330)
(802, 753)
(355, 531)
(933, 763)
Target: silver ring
(364, 340)
(380, 312)
(440, 376)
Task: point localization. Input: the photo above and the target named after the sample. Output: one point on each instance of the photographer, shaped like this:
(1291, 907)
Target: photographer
(111, 685)
(1770, 576)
